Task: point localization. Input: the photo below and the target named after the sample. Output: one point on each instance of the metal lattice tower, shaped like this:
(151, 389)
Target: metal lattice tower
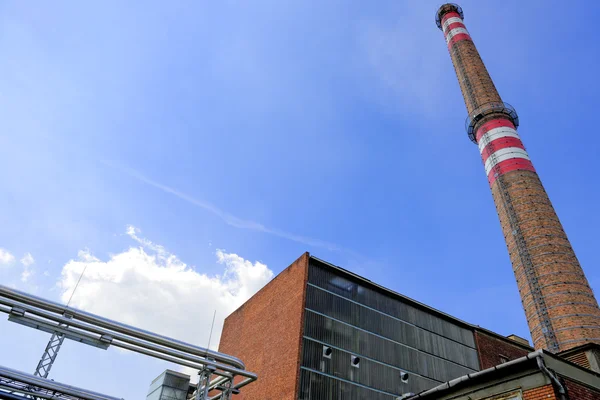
(559, 304)
(50, 353)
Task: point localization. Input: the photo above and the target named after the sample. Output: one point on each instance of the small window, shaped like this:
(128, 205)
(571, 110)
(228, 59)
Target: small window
(503, 359)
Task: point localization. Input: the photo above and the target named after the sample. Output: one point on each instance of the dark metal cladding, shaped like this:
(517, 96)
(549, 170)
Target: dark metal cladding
(392, 338)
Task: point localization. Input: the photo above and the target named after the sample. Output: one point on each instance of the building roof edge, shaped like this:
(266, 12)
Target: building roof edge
(421, 305)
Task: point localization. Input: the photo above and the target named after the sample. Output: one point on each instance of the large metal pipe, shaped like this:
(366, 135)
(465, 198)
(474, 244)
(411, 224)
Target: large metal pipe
(26, 394)
(10, 396)
(118, 326)
(52, 385)
(238, 386)
(138, 345)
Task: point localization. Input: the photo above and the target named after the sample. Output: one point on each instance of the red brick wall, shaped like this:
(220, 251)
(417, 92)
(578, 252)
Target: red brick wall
(266, 332)
(576, 391)
(490, 349)
(572, 308)
(542, 392)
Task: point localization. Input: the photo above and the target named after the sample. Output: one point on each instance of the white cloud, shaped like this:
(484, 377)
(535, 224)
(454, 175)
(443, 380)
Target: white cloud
(150, 288)
(26, 274)
(5, 257)
(27, 260)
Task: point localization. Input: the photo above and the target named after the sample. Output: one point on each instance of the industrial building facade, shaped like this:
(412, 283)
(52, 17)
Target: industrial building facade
(320, 332)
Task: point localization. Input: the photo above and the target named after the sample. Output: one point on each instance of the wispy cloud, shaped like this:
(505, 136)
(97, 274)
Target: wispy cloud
(27, 262)
(6, 258)
(227, 217)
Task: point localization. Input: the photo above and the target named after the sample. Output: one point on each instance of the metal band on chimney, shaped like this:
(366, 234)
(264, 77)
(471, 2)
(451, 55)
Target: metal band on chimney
(501, 149)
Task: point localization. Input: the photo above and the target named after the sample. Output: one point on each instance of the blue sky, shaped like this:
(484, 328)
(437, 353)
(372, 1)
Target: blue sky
(260, 130)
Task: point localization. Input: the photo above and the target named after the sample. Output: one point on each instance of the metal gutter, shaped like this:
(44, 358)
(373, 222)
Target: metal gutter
(454, 382)
(561, 389)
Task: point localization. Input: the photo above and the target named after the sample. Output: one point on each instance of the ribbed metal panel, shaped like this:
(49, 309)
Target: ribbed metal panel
(579, 358)
(340, 335)
(370, 373)
(315, 386)
(349, 289)
(169, 385)
(387, 332)
(390, 327)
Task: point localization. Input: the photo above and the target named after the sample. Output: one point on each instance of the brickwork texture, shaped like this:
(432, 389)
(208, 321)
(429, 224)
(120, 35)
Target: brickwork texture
(540, 393)
(576, 391)
(560, 307)
(266, 333)
(491, 350)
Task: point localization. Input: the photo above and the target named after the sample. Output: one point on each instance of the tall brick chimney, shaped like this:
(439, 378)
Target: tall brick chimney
(559, 304)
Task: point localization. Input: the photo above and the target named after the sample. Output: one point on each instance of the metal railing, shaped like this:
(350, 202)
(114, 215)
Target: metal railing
(487, 109)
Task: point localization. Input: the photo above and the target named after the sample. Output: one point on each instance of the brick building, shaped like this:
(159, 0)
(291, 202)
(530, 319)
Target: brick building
(317, 332)
(537, 376)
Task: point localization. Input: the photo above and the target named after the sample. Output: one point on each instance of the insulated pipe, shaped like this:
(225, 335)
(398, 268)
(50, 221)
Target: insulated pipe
(10, 396)
(178, 361)
(21, 390)
(137, 343)
(212, 385)
(118, 326)
(238, 386)
(51, 385)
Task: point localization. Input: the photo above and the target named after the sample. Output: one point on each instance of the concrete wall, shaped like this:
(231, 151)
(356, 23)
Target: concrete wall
(266, 333)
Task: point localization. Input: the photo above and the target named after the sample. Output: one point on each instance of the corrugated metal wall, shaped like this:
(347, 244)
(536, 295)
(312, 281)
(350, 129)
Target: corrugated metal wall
(389, 335)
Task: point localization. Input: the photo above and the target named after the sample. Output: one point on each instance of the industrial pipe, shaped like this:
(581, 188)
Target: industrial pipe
(238, 386)
(123, 338)
(118, 326)
(561, 389)
(9, 389)
(52, 385)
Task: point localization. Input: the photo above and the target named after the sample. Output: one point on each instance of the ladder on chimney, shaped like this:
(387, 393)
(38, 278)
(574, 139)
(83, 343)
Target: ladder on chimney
(475, 102)
(525, 256)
